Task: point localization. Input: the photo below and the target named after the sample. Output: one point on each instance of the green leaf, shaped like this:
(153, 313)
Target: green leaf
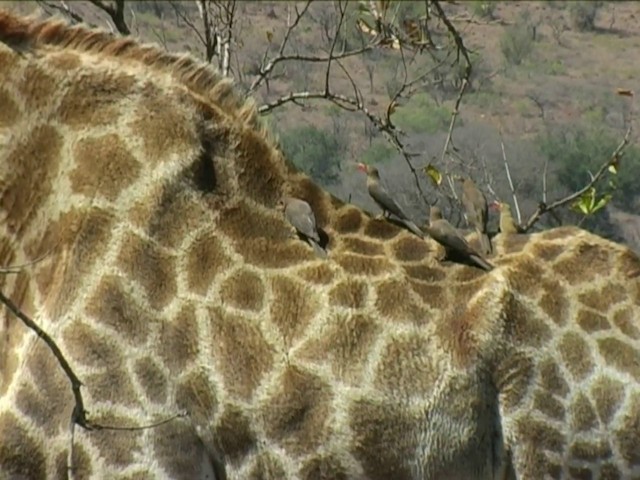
(434, 174)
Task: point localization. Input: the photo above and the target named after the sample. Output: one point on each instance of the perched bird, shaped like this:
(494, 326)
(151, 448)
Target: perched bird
(300, 215)
(475, 206)
(446, 235)
(384, 200)
(507, 223)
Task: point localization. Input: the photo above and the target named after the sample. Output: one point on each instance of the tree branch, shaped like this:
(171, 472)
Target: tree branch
(116, 13)
(544, 208)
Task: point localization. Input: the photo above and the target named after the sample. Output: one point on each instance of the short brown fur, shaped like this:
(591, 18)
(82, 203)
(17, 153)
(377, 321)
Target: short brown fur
(172, 284)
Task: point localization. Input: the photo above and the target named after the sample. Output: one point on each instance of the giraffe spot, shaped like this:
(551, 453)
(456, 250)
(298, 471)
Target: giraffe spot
(251, 222)
(88, 347)
(81, 462)
(37, 88)
(464, 273)
(603, 298)
(396, 303)
(628, 432)
(323, 467)
(381, 229)
(265, 253)
(51, 384)
(241, 351)
(524, 277)
(244, 290)
(547, 252)
(321, 274)
(104, 167)
(551, 378)
(152, 268)
(584, 263)
(206, 258)
(94, 98)
(181, 453)
(22, 455)
(362, 247)
(117, 448)
(625, 321)
(170, 211)
(35, 162)
(112, 385)
(523, 326)
(38, 408)
(513, 378)
(234, 434)
(592, 451)
(576, 355)
(583, 415)
(348, 220)
(609, 471)
(424, 273)
(258, 167)
(543, 435)
(350, 293)
(296, 411)
(196, 394)
(375, 427)
(405, 367)
(554, 302)
(591, 321)
(64, 60)
(292, 307)
(178, 340)
(607, 394)
(10, 112)
(432, 294)
(359, 265)
(621, 356)
(548, 405)
(629, 264)
(410, 249)
(512, 244)
(266, 466)
(113, 305)
(163, 121)
(152, 379)
(346, 345)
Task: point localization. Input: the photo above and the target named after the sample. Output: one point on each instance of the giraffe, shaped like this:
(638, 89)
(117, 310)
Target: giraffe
(147, 188)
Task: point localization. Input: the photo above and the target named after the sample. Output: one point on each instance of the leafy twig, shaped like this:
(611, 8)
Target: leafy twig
(615, 157)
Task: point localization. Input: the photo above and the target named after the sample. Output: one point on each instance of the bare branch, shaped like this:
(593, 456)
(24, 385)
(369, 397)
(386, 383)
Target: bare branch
(511, 187)
(64, 8)
(210, 40)
(116, 13)
(264, 71)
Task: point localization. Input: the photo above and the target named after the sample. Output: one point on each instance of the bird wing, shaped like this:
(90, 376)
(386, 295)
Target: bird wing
(301, 216)
(384, 200)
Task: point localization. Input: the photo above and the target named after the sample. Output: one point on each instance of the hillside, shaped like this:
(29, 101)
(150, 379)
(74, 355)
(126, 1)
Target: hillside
(560, 75)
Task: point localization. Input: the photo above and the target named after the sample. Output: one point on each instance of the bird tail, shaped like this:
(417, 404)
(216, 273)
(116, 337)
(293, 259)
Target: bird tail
(482, 263)
(485, 243)
(321, 252)
(413, 227)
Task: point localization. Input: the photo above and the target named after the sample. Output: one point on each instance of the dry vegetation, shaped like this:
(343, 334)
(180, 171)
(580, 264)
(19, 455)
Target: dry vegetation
(543, 82)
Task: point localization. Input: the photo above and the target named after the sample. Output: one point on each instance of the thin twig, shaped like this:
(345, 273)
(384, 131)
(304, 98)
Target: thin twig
(116, 13)
(615, 157)
(511, 187)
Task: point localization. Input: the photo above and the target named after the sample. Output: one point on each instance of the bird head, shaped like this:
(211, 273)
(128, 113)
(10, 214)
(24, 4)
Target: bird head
(435, 214)
(496, 205)
(370, 170)
(282, 203)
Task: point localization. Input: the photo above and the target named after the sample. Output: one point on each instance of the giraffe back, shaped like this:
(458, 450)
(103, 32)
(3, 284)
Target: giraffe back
(143, 188)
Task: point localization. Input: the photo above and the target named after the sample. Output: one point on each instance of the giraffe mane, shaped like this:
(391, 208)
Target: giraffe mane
(201, 79)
